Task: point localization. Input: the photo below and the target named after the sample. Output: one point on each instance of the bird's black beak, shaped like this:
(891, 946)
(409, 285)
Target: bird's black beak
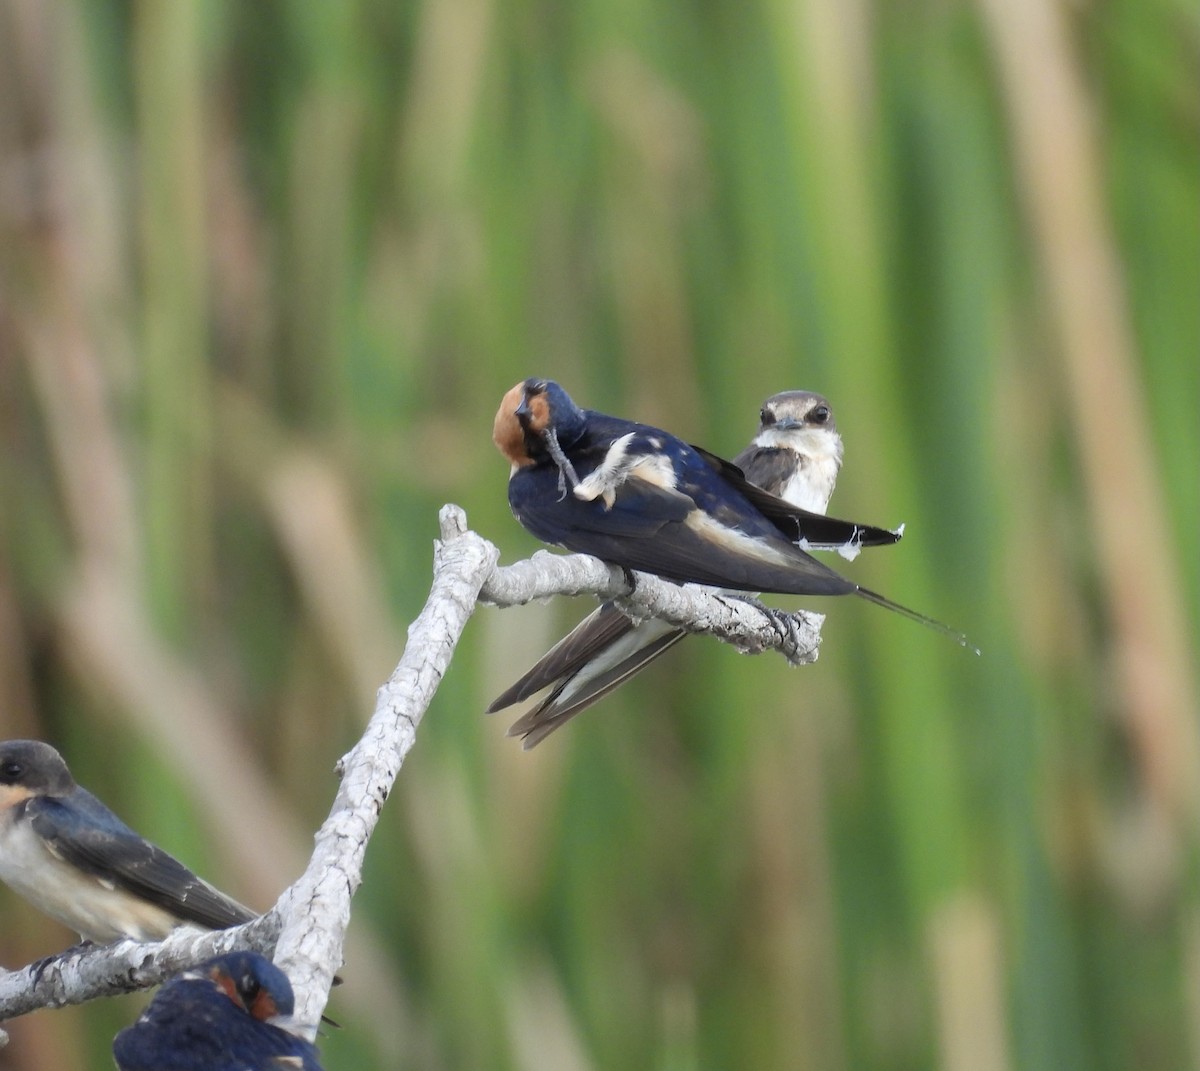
(523, 409)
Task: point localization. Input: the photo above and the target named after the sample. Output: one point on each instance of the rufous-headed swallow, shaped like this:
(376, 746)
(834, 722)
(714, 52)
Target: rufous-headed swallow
(233, 1013)
(795, 455)
(76, 861)
(640, 498)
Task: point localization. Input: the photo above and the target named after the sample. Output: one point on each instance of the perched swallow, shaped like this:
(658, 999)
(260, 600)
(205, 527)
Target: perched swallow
(233, 1013)
(76, 861)
(640, 498)
(795, 455)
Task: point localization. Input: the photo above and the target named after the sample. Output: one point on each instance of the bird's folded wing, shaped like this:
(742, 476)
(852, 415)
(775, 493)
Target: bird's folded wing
(578, 692)
(116, 855)
(818, 531)
(595, 633)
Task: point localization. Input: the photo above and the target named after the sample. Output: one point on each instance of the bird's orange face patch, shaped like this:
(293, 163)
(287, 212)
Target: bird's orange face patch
(11, 795)
(263, 1006)
(507, 433)
(539, 413)
(227, 985)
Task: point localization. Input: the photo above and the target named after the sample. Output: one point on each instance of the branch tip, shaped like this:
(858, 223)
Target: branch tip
(452, 521)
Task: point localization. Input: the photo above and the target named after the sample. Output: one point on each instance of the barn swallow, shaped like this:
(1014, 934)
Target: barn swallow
(795, 455)
(76, 861)
(640, 498)
(233, 1013)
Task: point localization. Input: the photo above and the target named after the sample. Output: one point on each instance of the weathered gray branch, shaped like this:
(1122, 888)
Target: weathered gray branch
(307, 926)
(86, 972)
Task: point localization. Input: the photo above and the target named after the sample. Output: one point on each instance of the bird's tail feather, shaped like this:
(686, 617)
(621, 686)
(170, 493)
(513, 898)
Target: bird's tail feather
(929, 622)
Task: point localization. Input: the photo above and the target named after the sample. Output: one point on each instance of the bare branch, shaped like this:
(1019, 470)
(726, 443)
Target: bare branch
(88, 971)
(306, 929)
(316, 909)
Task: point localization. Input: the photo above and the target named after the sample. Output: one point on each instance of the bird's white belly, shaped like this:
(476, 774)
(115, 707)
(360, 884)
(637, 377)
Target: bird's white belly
(811, 486)
(93, 908)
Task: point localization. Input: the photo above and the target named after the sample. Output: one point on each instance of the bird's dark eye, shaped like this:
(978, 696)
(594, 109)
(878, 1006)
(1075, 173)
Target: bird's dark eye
(11, 771)
(767, 416)
(819, 415)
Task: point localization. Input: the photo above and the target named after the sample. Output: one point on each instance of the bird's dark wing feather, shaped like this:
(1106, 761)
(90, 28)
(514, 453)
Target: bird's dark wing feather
(686, 555)
(88, 835)
(553, 712)
(819, 531)
(595, 633)
(764, 466)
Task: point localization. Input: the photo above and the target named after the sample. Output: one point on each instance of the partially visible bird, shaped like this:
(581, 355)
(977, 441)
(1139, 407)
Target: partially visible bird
(76, 861)
(795, 455)
(233, 1013)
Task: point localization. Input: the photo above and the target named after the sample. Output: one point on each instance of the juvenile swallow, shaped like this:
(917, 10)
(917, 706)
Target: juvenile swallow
(76, 861)
(795, 455)
(638, 497)
(233, 1013)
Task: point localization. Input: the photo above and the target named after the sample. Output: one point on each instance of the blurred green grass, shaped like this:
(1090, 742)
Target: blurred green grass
(265, 271)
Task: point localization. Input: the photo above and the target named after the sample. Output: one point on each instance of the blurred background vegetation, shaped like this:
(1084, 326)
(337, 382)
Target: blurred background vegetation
(265, 271)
